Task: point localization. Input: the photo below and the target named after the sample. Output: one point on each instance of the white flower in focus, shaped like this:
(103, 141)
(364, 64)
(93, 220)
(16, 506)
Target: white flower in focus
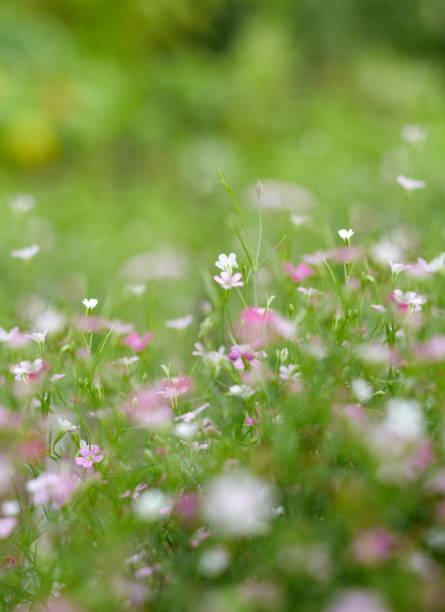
(26, 253)
(180, 323)
(152, 505)
(410, 184)
(239, 504)
(90, 304)
(227, 263)
(345, 234)
(243, 391)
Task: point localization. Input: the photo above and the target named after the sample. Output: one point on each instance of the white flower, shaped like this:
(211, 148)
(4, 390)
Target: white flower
(410, 184)
(22, 203)
(186, 430)
(38, 337)
(414, 133)
(239, 504)
(90, 303)
(289, 372)
(385, 251)
(437, 264)
(396, 268)
(24, 368)
(180, 323)
(404, 419)
(213, 561)
(152, 505)
(10, 507)
(227, 263)
(243, 391)
(26, 253)
(66, 425)
(138, 289)
(345, 234)
(361, 389)
(299, 220)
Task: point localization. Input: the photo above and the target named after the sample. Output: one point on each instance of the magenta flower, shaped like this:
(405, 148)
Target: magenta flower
(89, 455)
(227, 280)
(136, 342)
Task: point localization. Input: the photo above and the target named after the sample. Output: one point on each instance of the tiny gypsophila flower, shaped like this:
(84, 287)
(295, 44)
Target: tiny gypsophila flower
(410, 184)
(26, 253)
(90, 303)
(345, 234)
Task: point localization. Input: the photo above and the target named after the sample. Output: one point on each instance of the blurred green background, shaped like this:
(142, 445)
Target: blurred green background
(117, 115)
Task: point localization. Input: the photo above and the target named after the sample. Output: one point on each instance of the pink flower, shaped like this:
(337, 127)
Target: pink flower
(136, 342)
(7, 526)
(227, 280)
(241, 354)
(409, 301)
(52, 487)
(258, 326)
(298, 274)
(174, 387)
(373, 546)
(432, 350)
(89, 455)
(149, 408)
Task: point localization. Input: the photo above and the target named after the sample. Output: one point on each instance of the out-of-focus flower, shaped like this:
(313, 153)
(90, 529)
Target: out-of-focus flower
(299, 273)
(149, 408)
(136, 342)
(13, 338)
(385, 251)
(22, 203)
(357, 600)
(27, 370)
(180, 323)
(191, 416)
(10, 507)
(410, 184)
(26, 253)
(242, 354)
(239, 504)
(373, 546)
(90, 303)
(152, 505)
(214, 561)
(361, 389)
(38, 337)
(137, 289)
(414, 133)
(89, 455)
(55, 488)
(410, 300)
(289, 372)
(396, 268)
(345, 234)
(261, 326)
(7, 526)
(172, 388)
(243, 391)
(432, 350)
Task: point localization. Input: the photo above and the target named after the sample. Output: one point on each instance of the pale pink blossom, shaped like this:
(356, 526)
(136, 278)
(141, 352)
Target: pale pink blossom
(27, 370)
(55, 488)
(136, 342)
(172, 388)
(228, 281)
(289, 372)
(409, 300)
(149, 408)
(7, 526)
(192, 414)
(373, 546)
